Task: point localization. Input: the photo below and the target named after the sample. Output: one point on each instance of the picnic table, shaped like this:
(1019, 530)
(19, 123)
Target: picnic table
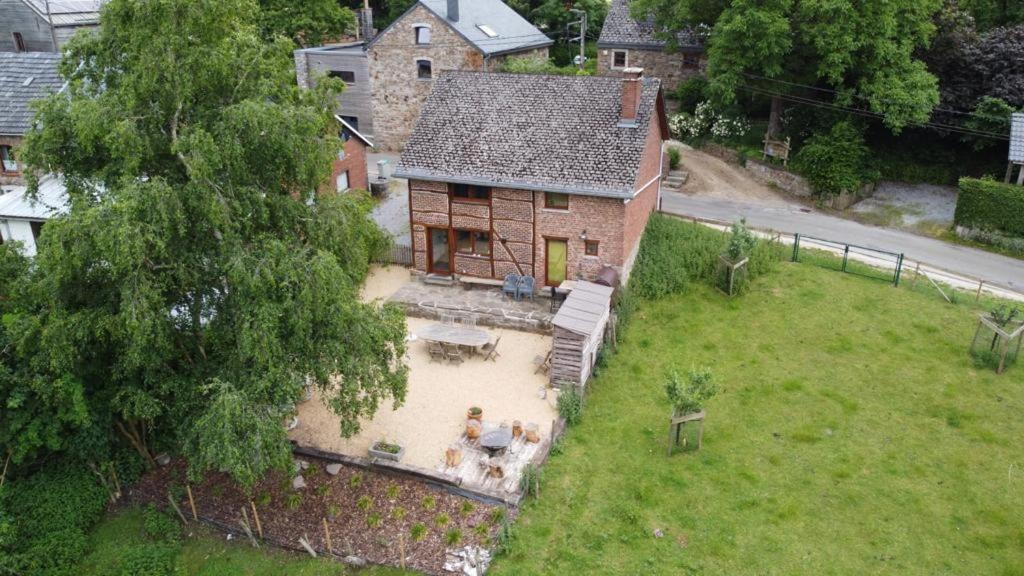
(453, 334)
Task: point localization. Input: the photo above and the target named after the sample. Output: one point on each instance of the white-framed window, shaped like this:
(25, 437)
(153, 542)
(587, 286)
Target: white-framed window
(342, 182)
(7, 159)
(620, 58)
(424, 69)
(422, 34)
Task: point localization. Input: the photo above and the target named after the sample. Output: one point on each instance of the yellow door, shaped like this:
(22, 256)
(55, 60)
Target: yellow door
(557, 251)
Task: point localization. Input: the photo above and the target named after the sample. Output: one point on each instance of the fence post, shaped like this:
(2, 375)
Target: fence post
(977, 296)
(846, 256)
(899, 270)
(796, 247)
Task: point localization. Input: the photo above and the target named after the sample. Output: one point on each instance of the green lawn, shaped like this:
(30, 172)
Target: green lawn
(852, 435)
(205, 552)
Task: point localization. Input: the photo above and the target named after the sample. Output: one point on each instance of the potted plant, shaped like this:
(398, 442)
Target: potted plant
(475, 413)
(687, 398)
(385, 450)
(732, 265)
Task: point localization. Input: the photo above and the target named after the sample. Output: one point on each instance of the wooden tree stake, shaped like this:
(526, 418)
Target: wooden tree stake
(191, 502)
(244, 523)
(117, 483)
(327, 538)
(305, 544)
(401, 550)
(176, 509)
(256, 517)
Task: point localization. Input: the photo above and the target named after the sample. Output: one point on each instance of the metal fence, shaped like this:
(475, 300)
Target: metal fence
(398, 254)
(849, 258)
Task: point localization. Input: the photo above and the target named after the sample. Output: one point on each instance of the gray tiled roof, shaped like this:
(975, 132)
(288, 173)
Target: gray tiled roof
(514, 33)
(536, 132)
(24, 77)
(620, 30)
(69, 12)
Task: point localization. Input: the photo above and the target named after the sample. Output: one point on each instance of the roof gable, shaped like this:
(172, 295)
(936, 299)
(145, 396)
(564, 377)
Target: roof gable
(24, 77)
(621, 30)
(478, 19)
(533, 132)
(68, 12)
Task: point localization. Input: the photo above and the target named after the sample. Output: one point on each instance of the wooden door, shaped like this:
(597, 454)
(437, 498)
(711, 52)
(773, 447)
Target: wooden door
(439, 252)
(557, 255)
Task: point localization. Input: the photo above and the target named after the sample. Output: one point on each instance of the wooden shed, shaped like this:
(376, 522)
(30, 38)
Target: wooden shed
(579, 332)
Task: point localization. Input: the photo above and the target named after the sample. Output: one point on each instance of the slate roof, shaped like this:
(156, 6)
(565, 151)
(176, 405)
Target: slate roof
(69, 12)
(24, 77)
(585, 309)
(620, 30)
(514, 33)
(533, 132)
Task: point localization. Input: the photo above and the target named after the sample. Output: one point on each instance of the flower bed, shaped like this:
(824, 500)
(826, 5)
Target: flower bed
(370, 515)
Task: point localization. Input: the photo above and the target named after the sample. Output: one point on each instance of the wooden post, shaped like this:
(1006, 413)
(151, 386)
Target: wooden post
(327, 538)
(191, 501)
(401, 550)
(176, 509)
(305, 544)
(256, 517)
(977, 296)
(917, 272)
(244, 523)
(117, 483)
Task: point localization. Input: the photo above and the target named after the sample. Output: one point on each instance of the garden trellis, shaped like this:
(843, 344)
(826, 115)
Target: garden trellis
(996, 343)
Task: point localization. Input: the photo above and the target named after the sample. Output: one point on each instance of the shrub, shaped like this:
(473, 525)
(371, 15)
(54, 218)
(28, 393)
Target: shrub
(392, 491)
(741, 241)
(530, 480)
(672, 254)
(690, 93)
(990, 205)
(418, 531)
(570, 405)
(356, 480)
(706, 121)
(293, 500)
(442, 519)
(689, 397)
(149, 560)
(364, 503)
(399, 513)
(527, 65)
(453, 537)
(674, 157)
(373, 520)
(428, 502)
(466, 509)
(836, 161)
(160, 526)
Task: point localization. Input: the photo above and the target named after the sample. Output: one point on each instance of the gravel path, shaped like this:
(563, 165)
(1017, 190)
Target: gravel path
(714, 178)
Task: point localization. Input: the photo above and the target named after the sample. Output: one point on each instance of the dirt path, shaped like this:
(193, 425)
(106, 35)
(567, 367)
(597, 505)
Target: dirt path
(711, 177)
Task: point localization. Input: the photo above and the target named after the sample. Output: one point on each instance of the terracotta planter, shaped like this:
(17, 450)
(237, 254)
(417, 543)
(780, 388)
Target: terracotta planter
(517, 428)
(478, 416)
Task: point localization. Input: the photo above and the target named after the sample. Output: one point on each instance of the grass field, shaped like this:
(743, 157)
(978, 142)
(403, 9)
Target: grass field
(852, 434)
(204, 552)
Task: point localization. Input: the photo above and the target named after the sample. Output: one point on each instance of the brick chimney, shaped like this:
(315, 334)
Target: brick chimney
(632, 82)
(453, 10)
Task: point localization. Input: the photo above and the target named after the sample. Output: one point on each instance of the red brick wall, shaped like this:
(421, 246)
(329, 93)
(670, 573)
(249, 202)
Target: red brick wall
(602, 218)
(355, 163)
(11, 177)
(638, 210)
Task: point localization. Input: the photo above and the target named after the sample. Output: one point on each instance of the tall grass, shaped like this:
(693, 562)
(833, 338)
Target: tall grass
(675, 254)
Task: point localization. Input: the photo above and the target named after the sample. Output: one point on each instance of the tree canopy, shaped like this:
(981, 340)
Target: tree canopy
(198, 283)
(307, 23)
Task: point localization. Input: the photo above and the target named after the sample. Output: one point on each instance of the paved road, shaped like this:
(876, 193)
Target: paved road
(794, 219)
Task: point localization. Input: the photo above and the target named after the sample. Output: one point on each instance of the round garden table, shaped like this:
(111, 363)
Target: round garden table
(496, 441)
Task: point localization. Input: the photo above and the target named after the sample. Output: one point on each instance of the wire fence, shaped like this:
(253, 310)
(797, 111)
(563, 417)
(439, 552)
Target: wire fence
(397, 254)
(859, 260)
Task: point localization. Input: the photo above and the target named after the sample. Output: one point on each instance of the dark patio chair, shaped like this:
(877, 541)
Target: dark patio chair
(525, 288)
(510, 285)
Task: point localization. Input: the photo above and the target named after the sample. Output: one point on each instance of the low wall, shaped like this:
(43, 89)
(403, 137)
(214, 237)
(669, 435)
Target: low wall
(797, 185)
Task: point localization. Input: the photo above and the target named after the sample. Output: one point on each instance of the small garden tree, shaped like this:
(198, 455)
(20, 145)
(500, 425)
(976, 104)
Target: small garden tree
(732, 269)
(997, 341)
(687, 399)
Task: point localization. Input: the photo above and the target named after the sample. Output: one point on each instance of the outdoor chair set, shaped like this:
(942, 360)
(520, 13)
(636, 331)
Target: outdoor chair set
(518, 287)
(452, 342)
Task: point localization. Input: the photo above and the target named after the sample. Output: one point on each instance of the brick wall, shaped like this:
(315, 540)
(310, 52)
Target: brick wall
(639, 209)
(10, 177)
(355, 163)
(670, 68)
(601, 218)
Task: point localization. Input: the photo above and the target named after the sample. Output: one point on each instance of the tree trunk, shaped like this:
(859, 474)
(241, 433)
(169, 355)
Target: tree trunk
(775, 119)
(136, 440)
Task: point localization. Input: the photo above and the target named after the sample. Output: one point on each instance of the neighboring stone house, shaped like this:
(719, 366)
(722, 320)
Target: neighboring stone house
(44, 25)
(437, 35)
(626, 42)
(349, 168)
(548, 176)
(24, 77)
(348, 62)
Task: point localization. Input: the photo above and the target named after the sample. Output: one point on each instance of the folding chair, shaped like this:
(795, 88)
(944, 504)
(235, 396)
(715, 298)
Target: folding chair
(491, 350)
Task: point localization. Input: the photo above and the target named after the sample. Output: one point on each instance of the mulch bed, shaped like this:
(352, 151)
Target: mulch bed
(369, 514)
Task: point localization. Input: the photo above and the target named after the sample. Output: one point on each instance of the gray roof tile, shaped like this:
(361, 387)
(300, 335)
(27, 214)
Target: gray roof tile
(69, 12)
(622, 30)
(536, 132)
(24, 77)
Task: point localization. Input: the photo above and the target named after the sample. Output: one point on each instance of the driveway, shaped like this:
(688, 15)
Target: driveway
(794, 219)
(392, 213)
(712, 177)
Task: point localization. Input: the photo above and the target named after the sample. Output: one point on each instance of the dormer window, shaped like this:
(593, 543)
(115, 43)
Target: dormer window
(487, 30)
(422, 35)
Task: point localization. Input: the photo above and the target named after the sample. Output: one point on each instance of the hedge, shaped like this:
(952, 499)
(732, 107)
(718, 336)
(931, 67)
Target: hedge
(990, 205)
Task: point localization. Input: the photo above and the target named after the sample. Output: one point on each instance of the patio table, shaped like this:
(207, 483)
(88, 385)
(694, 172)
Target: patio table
(452, 334)
(496, 441)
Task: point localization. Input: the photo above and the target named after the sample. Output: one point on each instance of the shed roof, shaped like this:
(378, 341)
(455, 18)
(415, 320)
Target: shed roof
(547, 133)
(584, 308)
(621, 30)
(24, 77)
(69, 12)
(50, 202)
(513, 32)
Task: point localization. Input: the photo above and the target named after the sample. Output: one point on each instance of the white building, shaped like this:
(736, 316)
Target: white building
(22, 218)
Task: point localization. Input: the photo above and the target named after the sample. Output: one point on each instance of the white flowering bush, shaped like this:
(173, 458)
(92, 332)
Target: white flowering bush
(706, 121)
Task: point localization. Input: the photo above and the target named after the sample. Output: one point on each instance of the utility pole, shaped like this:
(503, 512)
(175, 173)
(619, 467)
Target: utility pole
(582, 23)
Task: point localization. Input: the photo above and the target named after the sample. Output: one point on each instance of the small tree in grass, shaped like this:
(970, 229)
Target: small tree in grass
(687, 398)
(1000, 350)
(732, 265)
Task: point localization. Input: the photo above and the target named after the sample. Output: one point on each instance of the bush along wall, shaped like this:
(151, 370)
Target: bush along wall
(990, 205)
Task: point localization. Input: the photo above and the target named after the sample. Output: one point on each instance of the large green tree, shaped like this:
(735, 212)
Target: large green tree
(198, 283)
(857, 54)
(306, 22)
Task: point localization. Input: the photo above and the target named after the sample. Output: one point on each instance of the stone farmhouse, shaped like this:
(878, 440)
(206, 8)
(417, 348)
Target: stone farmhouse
(44, 25)
(390, 75)
(557, 182)
(626, 42)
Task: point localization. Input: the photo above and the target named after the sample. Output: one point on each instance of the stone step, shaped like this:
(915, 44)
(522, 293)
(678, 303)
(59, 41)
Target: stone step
(679, 173)
(438, 280)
